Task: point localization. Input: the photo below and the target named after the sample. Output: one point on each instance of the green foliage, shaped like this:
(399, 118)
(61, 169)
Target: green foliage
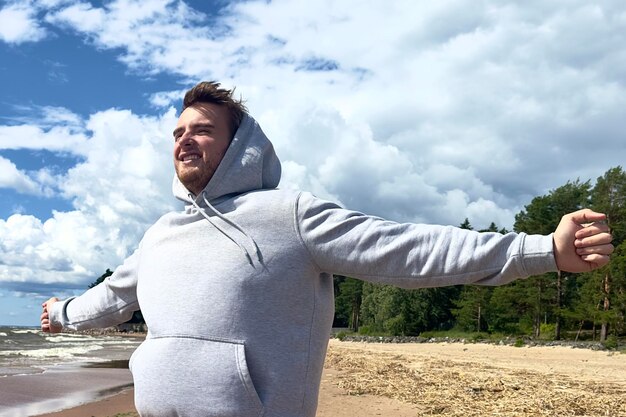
(545, 306)
(604, 299)
(609, 196)
(466, 225)
(342, 335)
(492, 228)
(519, 342)
(472, 308)
(544, 296)
(368, 331)
(544, 213)
(547, 331)
(348, 296)
(463, 335)
(101, 278)
(611, 342)
(403, 312)
(137, 316)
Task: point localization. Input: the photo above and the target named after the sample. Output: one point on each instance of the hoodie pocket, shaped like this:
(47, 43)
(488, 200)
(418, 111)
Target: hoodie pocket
(188, 376)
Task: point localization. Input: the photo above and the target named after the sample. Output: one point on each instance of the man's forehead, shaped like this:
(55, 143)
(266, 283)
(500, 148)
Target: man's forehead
(202, 113)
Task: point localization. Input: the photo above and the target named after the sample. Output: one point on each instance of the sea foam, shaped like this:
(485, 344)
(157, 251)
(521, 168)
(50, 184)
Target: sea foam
(60, 352)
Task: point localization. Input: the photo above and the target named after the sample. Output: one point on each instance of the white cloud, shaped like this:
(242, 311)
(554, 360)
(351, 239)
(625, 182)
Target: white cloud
(450, 97)
(55, 116)
(415, 111)
(81, 16)
(51, 128)
(118, 190)
(58, 138)
(18, 24)
(164, 99)
(48, 117)
(50, 4)
(140, 27)
(11, 177)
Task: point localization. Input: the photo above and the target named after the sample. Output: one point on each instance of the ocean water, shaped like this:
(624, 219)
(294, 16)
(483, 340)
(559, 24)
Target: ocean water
(30, 351)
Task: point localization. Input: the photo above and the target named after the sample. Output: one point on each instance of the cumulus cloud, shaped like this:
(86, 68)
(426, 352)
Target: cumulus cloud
(81, 16)
(11, 177)
(495, 93)
(121, 186)
(47, 117)
(136, 26)
(415, 111)
(164, 99)
(18, 24)
(57, 138)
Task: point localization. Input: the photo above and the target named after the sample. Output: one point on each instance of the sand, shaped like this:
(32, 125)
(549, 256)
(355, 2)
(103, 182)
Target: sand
(467, 380)
(28, 395)
(118, 405)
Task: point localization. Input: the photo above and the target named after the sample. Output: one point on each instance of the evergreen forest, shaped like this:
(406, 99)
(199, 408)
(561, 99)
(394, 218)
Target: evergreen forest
(553, 306)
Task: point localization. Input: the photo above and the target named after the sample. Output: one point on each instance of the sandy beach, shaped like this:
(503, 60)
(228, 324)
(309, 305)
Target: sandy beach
(58, 388)
(451, 380)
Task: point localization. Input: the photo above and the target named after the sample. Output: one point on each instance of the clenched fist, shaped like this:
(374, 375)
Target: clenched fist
(46, 324)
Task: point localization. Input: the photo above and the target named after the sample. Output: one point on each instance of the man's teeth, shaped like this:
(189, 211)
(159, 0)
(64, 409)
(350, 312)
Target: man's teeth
(191, 157)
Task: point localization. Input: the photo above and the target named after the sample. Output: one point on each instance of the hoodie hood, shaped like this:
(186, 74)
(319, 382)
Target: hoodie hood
(250, 163)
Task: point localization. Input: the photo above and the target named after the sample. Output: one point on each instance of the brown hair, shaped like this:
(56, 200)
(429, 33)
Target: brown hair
(210, 92)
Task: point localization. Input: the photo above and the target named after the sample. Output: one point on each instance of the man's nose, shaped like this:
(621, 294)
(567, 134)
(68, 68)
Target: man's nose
(186, 140)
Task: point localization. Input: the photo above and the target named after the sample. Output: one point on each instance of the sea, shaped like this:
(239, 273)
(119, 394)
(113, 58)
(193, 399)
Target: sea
(42, 372)
(26, 350)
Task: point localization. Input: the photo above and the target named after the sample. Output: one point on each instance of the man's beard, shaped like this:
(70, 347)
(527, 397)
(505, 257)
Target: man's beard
(194, 179)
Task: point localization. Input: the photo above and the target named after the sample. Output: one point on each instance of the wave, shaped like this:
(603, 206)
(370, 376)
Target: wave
(25, 331)
(61, 352)
(77, 340)
(69, 338)
(3, 334)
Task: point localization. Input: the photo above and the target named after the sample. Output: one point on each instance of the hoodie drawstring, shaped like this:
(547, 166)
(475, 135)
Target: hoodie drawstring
(231, 223)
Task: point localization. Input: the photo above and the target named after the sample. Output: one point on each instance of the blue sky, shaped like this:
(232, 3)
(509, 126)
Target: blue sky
(415, 111)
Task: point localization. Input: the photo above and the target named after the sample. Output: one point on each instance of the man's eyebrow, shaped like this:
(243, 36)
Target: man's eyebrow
(206, 125)
(177, 131)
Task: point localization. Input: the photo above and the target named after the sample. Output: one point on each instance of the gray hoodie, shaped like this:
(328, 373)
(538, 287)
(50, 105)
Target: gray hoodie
(237, 289)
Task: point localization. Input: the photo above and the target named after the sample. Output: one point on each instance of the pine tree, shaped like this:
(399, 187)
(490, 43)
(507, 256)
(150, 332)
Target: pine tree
(546, 292)
(609, 196)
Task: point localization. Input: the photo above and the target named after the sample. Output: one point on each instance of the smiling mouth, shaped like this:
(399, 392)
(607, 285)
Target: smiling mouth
(189, 158)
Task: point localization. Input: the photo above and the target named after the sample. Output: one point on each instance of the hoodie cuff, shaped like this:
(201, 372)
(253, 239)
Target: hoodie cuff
(538, 255)
(57, 314)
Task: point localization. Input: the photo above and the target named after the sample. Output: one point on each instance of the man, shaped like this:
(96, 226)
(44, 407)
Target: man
(237, 289)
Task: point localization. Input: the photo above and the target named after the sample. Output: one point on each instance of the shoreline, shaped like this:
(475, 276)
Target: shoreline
(474, 377)
(120, 404)
(333, 402)
(62, 387)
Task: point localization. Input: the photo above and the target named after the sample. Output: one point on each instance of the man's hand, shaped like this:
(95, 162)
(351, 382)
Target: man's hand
(582, 242)
(46, 324)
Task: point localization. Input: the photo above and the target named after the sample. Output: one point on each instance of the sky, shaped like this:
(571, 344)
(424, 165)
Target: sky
(411, 110)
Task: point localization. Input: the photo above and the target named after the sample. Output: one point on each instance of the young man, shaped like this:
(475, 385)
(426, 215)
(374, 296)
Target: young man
(237, 289)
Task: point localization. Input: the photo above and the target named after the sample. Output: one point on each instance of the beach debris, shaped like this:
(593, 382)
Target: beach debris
(467, 389)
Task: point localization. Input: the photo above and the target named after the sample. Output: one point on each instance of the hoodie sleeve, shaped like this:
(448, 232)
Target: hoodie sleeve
(110, 303)
(409, 255)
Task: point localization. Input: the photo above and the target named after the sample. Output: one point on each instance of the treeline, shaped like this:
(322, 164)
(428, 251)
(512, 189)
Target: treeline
(590, 304)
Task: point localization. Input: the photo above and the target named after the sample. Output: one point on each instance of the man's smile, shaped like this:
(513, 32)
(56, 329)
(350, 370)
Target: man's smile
(189, 157)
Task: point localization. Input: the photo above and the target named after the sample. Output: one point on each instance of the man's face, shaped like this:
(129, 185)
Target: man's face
(201, 138)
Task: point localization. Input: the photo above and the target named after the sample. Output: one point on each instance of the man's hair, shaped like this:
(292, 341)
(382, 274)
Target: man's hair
(210, 92)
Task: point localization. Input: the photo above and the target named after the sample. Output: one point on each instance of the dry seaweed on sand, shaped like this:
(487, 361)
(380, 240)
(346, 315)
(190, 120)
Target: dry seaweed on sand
(467, 389)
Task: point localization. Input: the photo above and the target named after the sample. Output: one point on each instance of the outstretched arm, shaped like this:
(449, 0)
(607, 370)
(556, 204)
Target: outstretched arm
(110, 303)
(582, 241)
